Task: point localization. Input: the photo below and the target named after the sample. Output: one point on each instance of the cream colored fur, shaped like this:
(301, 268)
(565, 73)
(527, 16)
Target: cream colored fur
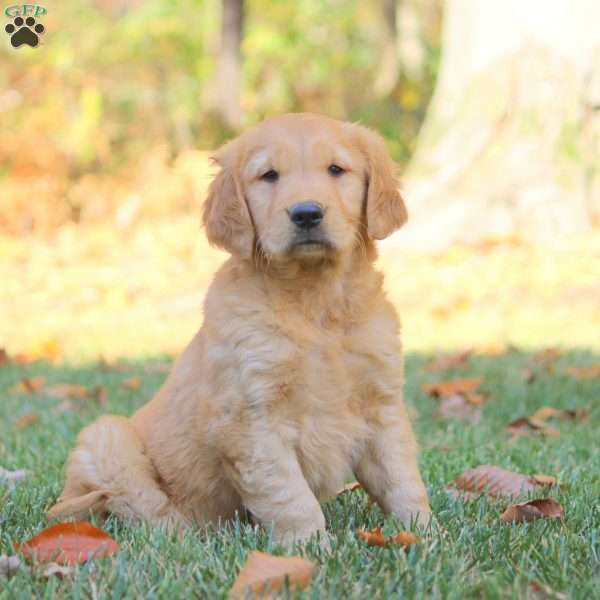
(294, 381)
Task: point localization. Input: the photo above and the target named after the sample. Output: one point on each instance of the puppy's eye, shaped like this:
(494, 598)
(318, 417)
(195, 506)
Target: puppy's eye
(271, 176)
(335, 170)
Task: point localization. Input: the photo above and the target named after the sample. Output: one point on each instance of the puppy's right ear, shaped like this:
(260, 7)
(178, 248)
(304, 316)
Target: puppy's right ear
(225, 215)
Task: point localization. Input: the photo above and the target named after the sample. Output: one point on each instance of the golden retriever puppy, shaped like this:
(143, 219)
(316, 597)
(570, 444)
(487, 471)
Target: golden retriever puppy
(295, 378)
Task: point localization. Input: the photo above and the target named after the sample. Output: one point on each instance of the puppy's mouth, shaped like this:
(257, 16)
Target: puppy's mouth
(310, 245)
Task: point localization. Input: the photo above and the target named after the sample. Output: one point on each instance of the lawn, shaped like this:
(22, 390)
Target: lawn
(472, 554)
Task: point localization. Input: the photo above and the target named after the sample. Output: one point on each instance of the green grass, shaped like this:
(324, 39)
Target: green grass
(473, 555)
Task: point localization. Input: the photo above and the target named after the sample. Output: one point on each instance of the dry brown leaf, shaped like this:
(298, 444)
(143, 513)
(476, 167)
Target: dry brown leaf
(133, 383)
(532, 510)
(62, 571)
(528, 375)
(26, 420)
(265, 575)
(496, 482)
(541, 591)
(529, 425)
(574, 414)
(375, 537)
(458, 406)
(9, 565)
(67, 390)
(350, 487)
(452, 386)
(7, 475)
(29, 385)
(590, 372)
(453, 361)
(100, 394)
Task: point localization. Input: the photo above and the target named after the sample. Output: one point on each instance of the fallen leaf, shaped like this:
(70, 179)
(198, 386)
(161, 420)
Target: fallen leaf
(62, 571)
(453, 361)
(7, 475)
(9, 565)
(133, 383)
(100, 394)
(548, 412)
(458, 406)
(375, 537)
(541, 591)
(67, 390)
(29, 385)
(350, 487)
(532, 510)
(3, 357)
(528, 375)
(451, 387)
(265, 575)
(496, 482)
(68, 544)
(590, 372)
(528, 425)
(26, 420)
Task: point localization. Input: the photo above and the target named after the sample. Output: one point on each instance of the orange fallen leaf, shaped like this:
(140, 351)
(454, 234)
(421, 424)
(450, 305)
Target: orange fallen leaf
(375, 537)
(67, 390)
(547, 412)
(26, 420)
(532, 510)
(350, 487)
(453, 361)
(265, 575)
(528, 425)
(496, 482)
(68, 544)
(29, 385)
(453, 386)
(590, 372)
(133, 383)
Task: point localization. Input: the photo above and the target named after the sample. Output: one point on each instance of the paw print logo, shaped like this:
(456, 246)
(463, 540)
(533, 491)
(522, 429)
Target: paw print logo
(24, 31)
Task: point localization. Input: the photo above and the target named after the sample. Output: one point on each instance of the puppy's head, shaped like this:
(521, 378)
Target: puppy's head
(302, 187)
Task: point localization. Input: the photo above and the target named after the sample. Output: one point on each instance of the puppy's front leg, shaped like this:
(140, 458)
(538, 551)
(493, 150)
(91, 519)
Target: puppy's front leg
(272, 487)
(388, 468)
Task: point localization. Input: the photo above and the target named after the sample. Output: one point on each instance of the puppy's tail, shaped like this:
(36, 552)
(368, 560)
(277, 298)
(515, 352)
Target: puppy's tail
(109, 472)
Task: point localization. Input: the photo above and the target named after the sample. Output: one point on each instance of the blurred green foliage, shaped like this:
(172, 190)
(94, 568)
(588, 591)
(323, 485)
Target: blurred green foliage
(115, 78)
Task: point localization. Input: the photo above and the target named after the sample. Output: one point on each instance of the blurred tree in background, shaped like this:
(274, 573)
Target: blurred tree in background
(110, 115)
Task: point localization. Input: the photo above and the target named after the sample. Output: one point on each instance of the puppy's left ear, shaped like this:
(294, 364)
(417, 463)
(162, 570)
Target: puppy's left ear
(385, 208)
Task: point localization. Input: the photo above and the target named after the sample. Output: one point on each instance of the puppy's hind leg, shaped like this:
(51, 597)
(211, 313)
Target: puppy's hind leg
(109, 472)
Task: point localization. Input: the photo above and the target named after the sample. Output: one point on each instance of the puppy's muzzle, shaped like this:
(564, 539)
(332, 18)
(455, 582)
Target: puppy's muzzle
(306, 215)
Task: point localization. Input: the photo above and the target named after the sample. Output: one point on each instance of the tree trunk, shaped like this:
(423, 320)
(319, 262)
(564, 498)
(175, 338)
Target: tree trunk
(511, 141)
(229, 69)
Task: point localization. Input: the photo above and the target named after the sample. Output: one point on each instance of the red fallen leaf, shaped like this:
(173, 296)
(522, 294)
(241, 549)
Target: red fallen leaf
(532, 510)
(528, 425)
(67, 390)
(26, 420)
(264, 575)
(29, 385)
(375, 537)
(350, 487)
(133, 383)
(453, 386)
(496, 482)
(453, 361)
(590, 372)
(68, 544)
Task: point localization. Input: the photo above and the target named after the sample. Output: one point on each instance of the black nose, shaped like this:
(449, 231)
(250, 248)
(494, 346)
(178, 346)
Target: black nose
(306, 215)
